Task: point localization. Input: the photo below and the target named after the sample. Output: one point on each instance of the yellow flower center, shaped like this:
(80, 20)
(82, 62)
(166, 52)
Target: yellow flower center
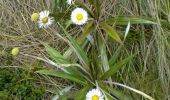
(95, 97)
(44, 20)
(79, 17)
(34, 16)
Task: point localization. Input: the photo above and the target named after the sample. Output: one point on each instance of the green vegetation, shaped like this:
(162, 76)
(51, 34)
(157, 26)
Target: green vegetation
(18, 84)
(127, 55)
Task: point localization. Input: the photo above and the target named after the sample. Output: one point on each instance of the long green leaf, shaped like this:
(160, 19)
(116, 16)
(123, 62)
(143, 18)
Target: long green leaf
(55, 55)
(104, 59)
(111, 32)
(77, 49)
(58, 58)
(60, 74)
(132, 19)
(77, 71)
(97, 8)
(88, 28)
(115, 55)
(113, 69)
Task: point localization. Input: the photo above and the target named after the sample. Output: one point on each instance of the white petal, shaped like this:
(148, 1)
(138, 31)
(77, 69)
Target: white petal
(70, 2)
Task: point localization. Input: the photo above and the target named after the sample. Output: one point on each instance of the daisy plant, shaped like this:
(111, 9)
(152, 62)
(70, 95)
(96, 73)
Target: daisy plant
(43, 19)
(88, 60)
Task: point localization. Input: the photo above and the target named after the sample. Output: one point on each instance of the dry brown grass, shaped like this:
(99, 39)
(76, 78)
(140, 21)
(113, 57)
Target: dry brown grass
(17, 29)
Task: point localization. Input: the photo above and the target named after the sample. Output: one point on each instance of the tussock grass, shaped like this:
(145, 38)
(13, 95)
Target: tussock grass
(149, 71)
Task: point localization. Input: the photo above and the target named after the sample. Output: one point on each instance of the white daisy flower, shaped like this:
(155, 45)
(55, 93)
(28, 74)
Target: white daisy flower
(70, 2)
(94, 94)
(44, 19)
(79, 16)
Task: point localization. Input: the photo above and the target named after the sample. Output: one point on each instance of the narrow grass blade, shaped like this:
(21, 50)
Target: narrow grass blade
(77, 49)
(88, 28)
(68, 23)
(114, 93)
(132, 89)
(132, 19)
(113, 69)
(111, 32)
(127, 30)
(114, 57)
(103, 55)
(97, 8)
(55, 55)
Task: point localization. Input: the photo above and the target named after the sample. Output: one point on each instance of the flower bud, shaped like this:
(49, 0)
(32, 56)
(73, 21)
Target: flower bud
(15, 51)
(34, 16)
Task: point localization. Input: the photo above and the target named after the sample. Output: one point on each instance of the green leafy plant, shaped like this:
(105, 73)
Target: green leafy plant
(88, 63)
